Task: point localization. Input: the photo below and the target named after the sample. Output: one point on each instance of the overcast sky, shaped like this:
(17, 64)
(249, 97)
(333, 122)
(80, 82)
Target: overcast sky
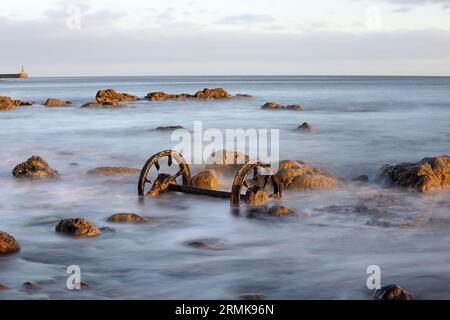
(210, 37)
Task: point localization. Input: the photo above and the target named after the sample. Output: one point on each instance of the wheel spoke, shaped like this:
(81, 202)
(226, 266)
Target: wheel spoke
(178, 173)
(157, 166)
(169, 162)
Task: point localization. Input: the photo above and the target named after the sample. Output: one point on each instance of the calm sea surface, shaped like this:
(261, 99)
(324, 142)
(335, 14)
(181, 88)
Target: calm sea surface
(362, 123)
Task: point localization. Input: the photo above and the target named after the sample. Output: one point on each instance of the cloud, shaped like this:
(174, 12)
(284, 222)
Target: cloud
(445, 3)
(51, 48)
(246, 19)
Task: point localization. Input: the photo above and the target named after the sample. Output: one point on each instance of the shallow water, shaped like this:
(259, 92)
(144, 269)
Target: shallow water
(362, 124)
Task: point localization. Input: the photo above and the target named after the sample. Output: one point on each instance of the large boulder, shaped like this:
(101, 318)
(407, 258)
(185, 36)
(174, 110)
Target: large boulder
(297, 175)
(54, 102)
(8, 244)
(206, 180)
(429, 174)
(257, 196)
(217, 93)
(114, 171)
(6, 103)
(35, 168)
(111, 95)
(78, 227)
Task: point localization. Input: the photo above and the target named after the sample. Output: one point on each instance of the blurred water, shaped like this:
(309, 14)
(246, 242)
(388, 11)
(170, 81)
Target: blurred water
(362, 123)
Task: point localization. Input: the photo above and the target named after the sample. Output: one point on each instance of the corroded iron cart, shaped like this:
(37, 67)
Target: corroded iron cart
(167, 182)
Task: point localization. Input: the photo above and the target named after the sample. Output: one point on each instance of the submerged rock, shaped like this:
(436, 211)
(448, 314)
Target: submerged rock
(161, 184)
(6, 103)
(362, 178)
(227, 161)
(127, 218)
(113, 171)
(169, 128)
(277, 106)
(205, 94)
(295, 175)
(78, 227)
(3, 287)
(105, 105)
(8, 244)
(53, 102)
(111, 95)
(244, 96)
(280, 211)
(217, 93)
(306, 127)
(256, 196)
(35, 168)
(251, 296)
(30, 286)
(429, 174)
(206, 180)
(198, 244)
(20, 103)
(163, 96)
(392, 292)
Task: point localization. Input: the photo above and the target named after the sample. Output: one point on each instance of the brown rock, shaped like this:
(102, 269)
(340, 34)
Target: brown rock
(280, 211)
(392, 292)
(161, 184)
(104, 105)
(77, 227)
(127, 218)
(256, 196)
(429, 174)
(295, 107)
(30, 286)
(158, 96)
(301, 176)
(35, 168)
(271, 106)
(306, 127)
(20, 103)
(217, 93)
(206, 180)
(3, 287)
(244, 96)
(198, 244)
(53, 102)
(6, 103)
(227, 161)
(8, 244)
(110, 95)
(114, 171)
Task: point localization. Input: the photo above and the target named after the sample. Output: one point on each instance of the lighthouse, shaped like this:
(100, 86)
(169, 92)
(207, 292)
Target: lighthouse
(22, 73)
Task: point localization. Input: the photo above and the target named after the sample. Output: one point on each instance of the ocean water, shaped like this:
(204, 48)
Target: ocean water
(362, 123)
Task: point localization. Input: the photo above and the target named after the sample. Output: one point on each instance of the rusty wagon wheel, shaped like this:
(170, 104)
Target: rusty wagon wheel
(240, 181)
(171, 156)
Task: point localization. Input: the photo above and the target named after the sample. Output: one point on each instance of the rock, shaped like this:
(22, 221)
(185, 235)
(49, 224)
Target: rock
(162, 96)
(206, 180)
(217, 93)
(169, 128)
(20, 103)
(251, 296)
(429, 174)
(30, 286)
(392, 292)
(161, 184)
(6, 103)
(53, 102)
(306, 127)
(280, 211)
(243, 96)
(104, 105)
(114, 171)
(227, 161)
(111, 95)
(3, 287)
(295, 107)
(127, 218)
(78, 227)
(277, 106)
(198, 244)
(35, 168)
(271, 106)
(8, 244)
(362, 178)
(300, 176)
(256, 196)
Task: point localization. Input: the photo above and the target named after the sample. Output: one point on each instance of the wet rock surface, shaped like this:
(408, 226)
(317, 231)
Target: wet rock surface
(297, 175)
(111, 95)
(429, 174)
(6, 103)
(114, 171)
(205, 244)
(256, 196)
(206, 180)
(127, 218)
(78, 227)
(277, 106)
(227, 162)
(392, 292)
(205, 94)
(35, 168)
(54, 102)
(161, 184)
(30, 286)
(8, 244)
(20, 103)
(104, 105)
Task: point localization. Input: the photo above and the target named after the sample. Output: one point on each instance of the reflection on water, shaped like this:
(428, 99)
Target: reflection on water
(362, 123)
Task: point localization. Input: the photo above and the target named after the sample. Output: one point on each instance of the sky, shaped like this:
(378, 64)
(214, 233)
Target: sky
(232, 37)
